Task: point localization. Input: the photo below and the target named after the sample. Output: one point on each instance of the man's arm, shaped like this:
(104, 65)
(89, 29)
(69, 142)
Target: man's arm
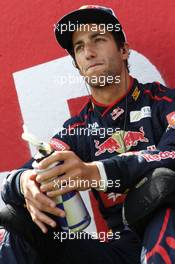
(21, 189)
(130, 167)
(11, 189)
(11, 192)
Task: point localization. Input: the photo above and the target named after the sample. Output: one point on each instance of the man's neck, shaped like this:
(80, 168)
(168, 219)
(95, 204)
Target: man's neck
(110, 93)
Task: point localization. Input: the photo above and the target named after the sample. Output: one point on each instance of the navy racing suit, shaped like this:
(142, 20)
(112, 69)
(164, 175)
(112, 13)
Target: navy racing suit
(131, 136)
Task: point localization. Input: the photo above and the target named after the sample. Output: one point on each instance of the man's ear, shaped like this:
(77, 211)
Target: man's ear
(125, 51)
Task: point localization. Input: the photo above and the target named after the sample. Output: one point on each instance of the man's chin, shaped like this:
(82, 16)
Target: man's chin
(97, 81)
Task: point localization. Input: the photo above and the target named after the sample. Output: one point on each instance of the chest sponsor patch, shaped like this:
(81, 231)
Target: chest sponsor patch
(136, 116)
(116, 113)
(58, 144)
(121, 141)
(93, 126)
(152, 147)
(135, 94)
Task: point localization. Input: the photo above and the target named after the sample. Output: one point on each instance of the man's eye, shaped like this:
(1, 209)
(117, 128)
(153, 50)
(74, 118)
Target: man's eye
(78, 48)
(100, 39)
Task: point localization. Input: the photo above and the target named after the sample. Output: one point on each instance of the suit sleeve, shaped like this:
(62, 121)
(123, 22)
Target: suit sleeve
(129, 168)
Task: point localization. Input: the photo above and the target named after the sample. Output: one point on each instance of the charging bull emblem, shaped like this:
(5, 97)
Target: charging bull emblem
(121, 141)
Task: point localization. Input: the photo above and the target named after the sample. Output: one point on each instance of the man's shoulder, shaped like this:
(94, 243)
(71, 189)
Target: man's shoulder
(157, 91)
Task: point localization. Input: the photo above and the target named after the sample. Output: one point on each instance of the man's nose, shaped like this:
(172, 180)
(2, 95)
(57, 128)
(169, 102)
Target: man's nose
(90, 51)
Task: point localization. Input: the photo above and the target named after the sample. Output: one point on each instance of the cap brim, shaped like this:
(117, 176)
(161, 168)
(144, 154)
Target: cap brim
(82, 16)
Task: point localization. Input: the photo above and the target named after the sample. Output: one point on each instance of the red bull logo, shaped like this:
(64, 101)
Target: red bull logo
(133, 137)
(109, 145)
(121, 141)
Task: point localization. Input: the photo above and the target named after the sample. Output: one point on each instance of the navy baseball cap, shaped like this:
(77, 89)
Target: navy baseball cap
(83, 16)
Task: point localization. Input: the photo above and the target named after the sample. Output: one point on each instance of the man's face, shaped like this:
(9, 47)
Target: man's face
(97, 56)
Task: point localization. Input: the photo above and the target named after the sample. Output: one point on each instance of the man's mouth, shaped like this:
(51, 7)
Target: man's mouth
(93, 65)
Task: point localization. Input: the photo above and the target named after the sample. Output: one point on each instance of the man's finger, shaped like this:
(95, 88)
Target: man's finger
(51, 173)
(33, 176)
(36, 194)
(54, 157)
(40, 206)
(40, 217)
(69, 179)
(61, 191)
(55, 184)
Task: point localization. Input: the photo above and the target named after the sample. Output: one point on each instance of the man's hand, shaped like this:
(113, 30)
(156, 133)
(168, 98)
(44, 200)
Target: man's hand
(76, 174)
(37, 203)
